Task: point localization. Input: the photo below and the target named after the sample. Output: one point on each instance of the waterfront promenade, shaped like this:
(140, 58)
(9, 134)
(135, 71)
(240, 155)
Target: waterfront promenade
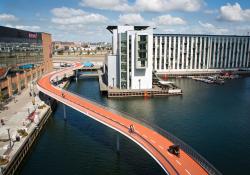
(21, 118)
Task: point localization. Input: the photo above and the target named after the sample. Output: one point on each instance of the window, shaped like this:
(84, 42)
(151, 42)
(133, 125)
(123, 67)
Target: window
(142, 52)
(123, 56)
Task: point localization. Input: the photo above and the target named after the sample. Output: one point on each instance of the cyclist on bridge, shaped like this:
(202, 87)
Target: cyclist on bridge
(131, 128)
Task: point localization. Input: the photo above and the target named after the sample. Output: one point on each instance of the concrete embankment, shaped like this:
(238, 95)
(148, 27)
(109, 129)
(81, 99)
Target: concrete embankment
(22, 123)
(19, 155)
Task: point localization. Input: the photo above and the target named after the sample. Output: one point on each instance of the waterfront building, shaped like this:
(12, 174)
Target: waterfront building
(187, 54)
(130, 64)
(137, 53)
(26, 55)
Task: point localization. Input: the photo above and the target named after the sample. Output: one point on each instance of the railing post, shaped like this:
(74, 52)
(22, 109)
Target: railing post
(117, 143)
(64, 112)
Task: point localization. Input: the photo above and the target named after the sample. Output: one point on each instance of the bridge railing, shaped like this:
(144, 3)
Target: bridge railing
(185, 147)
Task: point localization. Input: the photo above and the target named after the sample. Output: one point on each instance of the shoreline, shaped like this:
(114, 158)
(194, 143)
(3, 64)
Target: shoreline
(18, 157)
(16, 154)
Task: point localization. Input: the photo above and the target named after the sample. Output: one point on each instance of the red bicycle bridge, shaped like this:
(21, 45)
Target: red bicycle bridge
(155, 144)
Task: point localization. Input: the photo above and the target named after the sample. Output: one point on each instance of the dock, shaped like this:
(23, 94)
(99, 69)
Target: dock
(92, 74)
(102, 85)
(155, 91)
(209, 79)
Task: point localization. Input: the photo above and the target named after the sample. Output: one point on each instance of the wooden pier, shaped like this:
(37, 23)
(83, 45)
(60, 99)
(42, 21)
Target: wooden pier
(142, 93)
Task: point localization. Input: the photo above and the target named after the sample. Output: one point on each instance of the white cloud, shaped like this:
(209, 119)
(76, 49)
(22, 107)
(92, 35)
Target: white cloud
(75, 24)
(167, 5)
(137, 19)
(65, 12)
(7, 17)
(169, 30)
(25, 27)
(131, 19)
(234, 13)
(117, 5)
(210, 12)
(145, 5)
(31, 28)
(211, 29)
(168, 20)
(66, 16)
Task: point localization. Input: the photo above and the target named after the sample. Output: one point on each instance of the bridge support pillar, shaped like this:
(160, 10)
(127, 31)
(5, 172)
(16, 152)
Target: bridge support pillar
(76, 75)
(64, 112)
(117, 143)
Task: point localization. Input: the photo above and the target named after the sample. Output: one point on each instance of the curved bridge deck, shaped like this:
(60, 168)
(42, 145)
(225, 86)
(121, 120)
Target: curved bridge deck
(152, 142)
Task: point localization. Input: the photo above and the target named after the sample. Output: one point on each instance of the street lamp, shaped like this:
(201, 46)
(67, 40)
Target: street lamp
(9, 137)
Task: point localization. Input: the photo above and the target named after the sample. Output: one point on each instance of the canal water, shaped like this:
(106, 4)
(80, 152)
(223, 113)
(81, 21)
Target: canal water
(214, 120)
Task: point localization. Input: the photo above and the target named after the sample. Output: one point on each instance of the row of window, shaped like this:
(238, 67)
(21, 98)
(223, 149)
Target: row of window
(14, 53)
(200, 52)
(123, 55)
(142, 52)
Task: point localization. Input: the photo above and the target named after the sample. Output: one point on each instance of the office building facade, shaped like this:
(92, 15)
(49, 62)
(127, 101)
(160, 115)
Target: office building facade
(19, 48)
(130, 64)
(180, 53)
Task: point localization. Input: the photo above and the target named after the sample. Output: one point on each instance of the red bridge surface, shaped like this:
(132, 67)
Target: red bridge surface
(153, 143)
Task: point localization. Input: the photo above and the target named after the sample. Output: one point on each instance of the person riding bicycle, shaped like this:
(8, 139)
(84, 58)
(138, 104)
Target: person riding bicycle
(131, 128)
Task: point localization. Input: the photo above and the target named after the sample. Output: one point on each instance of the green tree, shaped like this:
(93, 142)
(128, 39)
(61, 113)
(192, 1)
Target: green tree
(98, 48)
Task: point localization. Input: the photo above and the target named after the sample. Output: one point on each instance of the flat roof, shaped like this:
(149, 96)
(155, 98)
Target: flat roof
(6, 29)
(172, 34)
(111, 28)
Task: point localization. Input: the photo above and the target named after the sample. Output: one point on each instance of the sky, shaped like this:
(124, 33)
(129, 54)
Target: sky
(86, 20)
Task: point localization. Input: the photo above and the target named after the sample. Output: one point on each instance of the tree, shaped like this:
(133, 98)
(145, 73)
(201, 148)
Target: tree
(98, 48)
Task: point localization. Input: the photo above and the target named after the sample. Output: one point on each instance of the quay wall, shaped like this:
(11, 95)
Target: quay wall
(24, 149)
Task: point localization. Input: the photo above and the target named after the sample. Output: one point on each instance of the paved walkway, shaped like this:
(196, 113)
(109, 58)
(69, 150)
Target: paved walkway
(15, 117)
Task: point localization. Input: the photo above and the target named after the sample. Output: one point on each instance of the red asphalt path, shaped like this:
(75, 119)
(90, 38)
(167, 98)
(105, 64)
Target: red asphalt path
(152, 142)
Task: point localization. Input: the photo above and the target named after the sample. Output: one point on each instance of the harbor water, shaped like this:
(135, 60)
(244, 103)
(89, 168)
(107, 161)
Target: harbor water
(213, 119)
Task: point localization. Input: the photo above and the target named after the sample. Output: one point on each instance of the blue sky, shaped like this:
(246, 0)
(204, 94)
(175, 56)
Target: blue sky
(86, 20)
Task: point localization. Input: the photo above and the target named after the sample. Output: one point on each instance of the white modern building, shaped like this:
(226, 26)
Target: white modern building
(137, 52)
(130, 64)
(183, 53)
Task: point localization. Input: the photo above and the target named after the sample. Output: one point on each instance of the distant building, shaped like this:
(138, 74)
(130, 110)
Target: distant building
(130, 65)
(62, 45)
(19, 48)
(184, 53)
(80, 48)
